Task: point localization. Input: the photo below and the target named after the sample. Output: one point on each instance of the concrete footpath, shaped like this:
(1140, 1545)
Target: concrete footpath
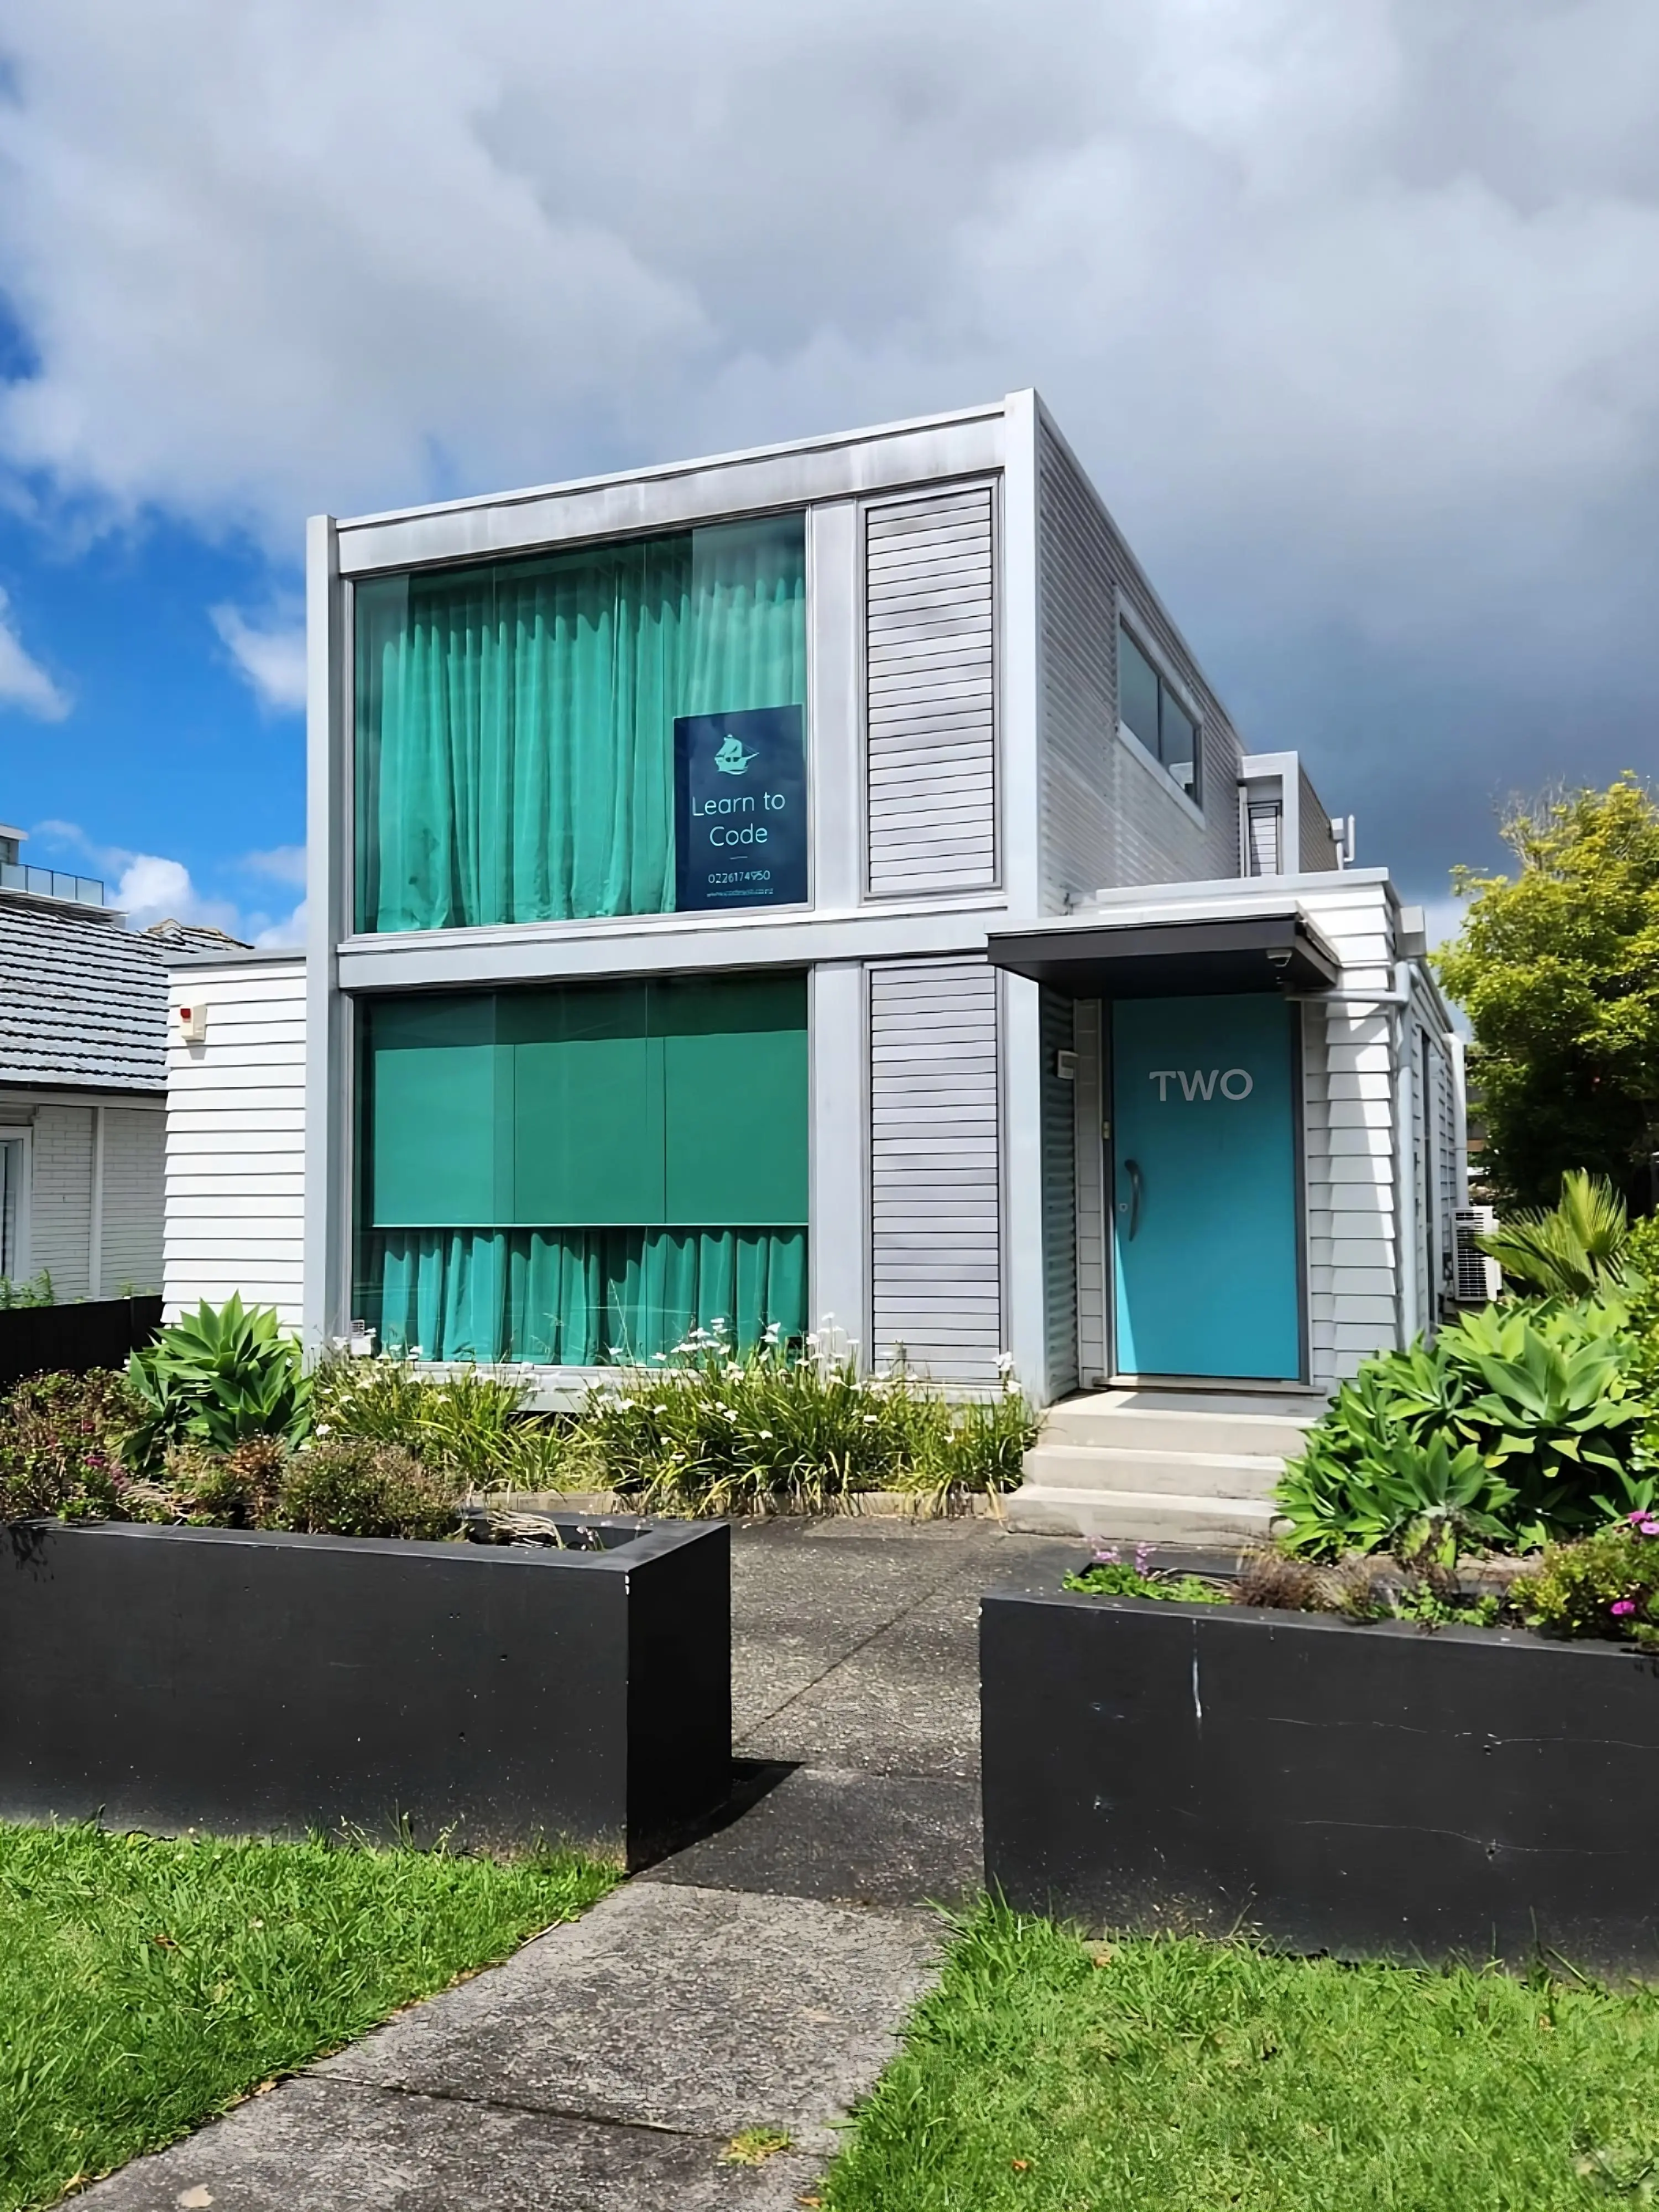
(756, 1980)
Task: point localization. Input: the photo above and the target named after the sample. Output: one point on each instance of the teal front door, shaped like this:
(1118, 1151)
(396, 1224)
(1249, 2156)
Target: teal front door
(1205, 1187)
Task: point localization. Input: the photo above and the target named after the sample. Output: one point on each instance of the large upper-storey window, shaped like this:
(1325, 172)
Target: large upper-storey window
(615, 729)
(1153, 716)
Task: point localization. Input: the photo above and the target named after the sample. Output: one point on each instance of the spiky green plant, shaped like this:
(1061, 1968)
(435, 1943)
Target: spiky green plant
(215, 1377)
(1574, 1249)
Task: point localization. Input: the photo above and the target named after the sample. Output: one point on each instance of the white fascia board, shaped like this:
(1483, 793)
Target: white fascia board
(1323, 883)
(849, 465)
(659, 945)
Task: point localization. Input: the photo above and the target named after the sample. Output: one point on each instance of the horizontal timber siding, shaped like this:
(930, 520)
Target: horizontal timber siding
(235, 1142)
(936, 1260)
(930, 679)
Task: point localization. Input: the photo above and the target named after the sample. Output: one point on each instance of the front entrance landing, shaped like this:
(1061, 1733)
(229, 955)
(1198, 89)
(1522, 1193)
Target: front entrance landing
(1162, 1467)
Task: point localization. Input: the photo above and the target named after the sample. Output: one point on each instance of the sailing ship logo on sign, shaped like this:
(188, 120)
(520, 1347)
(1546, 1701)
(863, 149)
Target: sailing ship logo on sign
(732, 759)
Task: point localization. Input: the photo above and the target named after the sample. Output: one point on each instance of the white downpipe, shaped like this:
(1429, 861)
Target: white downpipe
(1405, 1232)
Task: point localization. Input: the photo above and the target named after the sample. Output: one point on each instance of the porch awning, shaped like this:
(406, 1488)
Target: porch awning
(1098, 959)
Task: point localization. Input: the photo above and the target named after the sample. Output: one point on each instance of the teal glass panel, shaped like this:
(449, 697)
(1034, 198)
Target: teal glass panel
(514, 719)
(577, 1298)
(735, 1106)
(587, 1107)
(439, 1097)
(522, 1154)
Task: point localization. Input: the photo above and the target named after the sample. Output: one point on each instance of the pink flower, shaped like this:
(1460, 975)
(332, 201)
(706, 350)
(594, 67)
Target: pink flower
(1621, 1606)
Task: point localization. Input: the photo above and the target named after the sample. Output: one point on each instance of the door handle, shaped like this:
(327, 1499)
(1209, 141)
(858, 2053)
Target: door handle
(1137, 1188)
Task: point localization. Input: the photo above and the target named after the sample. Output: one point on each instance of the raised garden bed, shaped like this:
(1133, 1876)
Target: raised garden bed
(1376, 1791)
(250, 1683)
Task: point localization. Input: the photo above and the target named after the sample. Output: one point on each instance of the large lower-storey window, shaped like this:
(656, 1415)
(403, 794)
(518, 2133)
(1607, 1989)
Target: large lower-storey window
(583, 1174)
(612, 729)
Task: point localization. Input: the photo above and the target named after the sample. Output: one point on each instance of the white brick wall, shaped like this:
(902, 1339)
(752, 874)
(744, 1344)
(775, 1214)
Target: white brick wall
(60, 1210)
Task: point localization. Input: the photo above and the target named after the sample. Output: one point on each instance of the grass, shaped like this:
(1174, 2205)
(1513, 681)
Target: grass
(145, 1985)
(1052, 2074)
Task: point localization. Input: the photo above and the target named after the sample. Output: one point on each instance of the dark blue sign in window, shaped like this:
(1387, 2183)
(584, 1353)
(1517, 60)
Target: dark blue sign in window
(740, 809)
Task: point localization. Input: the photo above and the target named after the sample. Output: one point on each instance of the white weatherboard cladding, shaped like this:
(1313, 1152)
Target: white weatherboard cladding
(1057, 1093)
(135, 1147)
(936, 1262)
(1108, 818)
(1089, 1113)
(60, 1211)
(930, 680)
(1349, 1141)
(235, 1139)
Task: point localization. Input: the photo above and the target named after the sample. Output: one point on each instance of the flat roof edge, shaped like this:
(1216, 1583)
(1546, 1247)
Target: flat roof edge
(663, 471)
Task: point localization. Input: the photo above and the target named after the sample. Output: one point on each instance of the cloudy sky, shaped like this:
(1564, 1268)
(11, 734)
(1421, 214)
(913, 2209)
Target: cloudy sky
(1351, 310)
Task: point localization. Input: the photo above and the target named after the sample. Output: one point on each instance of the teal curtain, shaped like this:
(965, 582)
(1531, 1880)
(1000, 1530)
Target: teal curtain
(515, 731)
(576, 1298)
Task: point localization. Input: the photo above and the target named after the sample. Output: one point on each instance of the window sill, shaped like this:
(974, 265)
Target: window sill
(1160, 775)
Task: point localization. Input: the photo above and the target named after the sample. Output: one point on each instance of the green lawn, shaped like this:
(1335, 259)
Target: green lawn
(145, 1985)
(1056, 2076)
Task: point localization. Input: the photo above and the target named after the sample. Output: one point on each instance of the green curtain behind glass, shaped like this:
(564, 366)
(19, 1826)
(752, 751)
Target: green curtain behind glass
(577, 1298)
(515, 722)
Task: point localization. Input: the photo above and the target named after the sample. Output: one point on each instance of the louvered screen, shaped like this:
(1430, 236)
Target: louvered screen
(935, 1252)
(1264, 821)
(930, 678)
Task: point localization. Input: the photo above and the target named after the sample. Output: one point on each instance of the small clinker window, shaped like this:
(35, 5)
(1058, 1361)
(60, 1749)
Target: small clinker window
(1149, 712)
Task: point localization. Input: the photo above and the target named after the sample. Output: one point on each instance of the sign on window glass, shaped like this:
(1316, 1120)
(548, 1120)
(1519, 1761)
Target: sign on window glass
(740, 809)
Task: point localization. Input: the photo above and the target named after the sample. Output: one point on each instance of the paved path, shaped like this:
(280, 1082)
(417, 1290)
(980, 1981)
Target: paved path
(756, 1980)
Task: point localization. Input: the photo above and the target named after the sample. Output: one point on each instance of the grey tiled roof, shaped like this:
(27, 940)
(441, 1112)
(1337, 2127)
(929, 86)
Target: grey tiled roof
(81, 1000)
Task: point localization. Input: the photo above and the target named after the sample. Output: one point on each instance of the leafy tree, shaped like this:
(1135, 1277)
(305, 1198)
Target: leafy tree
(1558, 969)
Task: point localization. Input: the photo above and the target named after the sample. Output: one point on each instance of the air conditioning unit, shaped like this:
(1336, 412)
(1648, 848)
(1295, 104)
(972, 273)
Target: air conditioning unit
(1478, 1277)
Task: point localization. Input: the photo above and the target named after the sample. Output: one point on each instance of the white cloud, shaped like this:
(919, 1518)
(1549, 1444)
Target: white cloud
(23, 683)
(279, 935)
(283, 863)
(152, 888)
(272, 661)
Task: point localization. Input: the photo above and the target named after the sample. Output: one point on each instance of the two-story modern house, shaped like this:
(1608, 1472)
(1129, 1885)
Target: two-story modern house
(818, 881)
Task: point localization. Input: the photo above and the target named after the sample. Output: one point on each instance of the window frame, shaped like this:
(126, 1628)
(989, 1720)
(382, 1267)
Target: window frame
(1140, 634)
(347, 758)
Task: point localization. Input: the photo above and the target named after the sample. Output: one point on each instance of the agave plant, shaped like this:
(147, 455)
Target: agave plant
(1573, 1250)
(214, 1377)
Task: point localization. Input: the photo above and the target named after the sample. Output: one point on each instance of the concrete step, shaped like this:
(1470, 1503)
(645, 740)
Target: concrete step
(1123, 1421)
(1140, 1516)
(1176, 1473)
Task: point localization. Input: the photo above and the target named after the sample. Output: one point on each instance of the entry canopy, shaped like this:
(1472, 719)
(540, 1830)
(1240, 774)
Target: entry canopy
(1100, 959)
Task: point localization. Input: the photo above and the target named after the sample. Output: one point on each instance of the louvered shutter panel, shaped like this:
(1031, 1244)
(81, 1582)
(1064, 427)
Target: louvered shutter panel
(930, 678)
(935, 1253)
(1265, 819)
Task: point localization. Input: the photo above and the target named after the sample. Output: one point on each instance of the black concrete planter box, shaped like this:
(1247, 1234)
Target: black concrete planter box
(1373, 1792)
(169, 1679)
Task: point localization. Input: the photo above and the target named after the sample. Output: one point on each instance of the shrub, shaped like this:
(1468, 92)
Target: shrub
(239, 1489)
(1519, 1425)
(38, 1292)
(353, 1487)
(60, 1445)
(1577, 1248)
(215, 1377)
(1108, 1574)
(1606, 1585)
(466, 1423)
(715, 1430)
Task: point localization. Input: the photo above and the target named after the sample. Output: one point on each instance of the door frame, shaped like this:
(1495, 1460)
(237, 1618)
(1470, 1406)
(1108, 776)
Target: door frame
(1116, 1377)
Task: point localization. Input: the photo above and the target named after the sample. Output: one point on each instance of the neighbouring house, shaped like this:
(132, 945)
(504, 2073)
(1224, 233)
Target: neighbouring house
(82, 1085)
(815, 881)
